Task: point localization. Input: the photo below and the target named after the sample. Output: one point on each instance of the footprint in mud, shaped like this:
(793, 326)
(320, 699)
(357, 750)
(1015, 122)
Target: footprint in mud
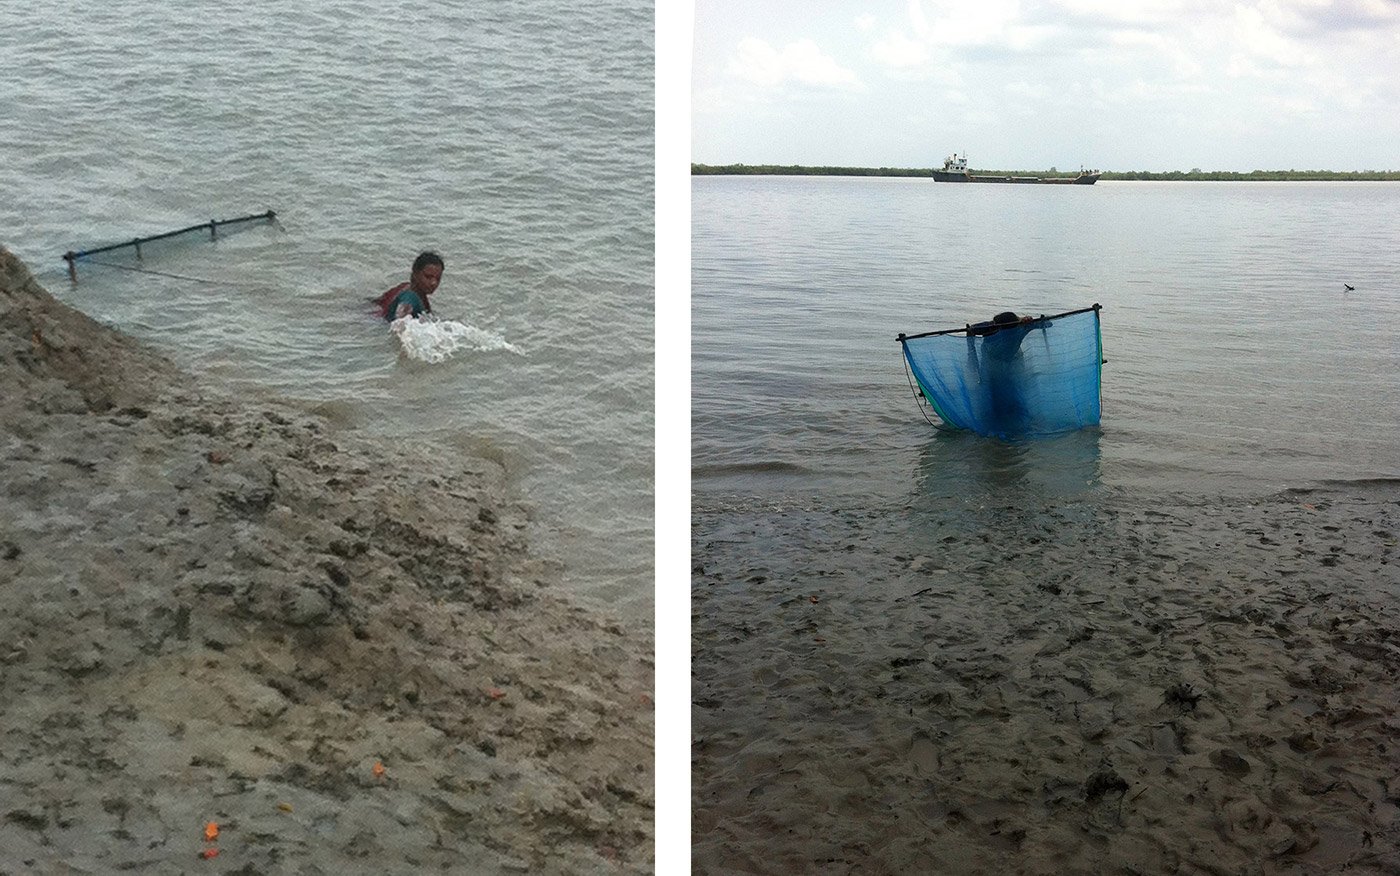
(1230, 762)
(1321, 678)
(1168, 739)
(924, 754)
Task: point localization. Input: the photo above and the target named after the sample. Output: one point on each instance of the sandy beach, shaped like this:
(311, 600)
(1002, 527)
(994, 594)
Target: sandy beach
(234, 639)
(1118, 685)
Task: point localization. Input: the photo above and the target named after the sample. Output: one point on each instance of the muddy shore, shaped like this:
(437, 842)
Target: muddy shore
(221, 611)
(1165, 684)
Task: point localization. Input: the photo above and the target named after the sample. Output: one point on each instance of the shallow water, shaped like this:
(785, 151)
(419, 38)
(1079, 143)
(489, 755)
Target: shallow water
(517, 141)
(1238, 363)
(918, 650)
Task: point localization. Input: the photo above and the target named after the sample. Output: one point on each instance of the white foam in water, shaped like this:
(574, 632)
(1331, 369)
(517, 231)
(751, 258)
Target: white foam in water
(429, 339)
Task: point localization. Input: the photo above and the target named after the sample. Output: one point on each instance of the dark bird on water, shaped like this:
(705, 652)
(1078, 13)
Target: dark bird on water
(1348, 288)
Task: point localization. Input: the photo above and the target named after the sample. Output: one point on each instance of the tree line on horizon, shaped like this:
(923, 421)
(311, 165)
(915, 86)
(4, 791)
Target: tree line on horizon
(1171, 175)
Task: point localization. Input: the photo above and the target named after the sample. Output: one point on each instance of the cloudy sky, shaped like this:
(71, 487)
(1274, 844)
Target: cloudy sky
(1031, 84)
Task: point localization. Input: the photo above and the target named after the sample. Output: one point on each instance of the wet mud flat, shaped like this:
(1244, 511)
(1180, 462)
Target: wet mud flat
(235, 640)
(1114, 685)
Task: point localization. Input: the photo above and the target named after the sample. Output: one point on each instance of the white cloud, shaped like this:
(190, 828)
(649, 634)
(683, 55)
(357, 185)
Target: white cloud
(1260, 40)
(1022, 37)
(801, 62)
(1141, 48)
(900, 52)
(1033, 90)
(1298, 105)
(865, 22)
(966, 24)
(1311, 17)
(936, 25)
(708, 100)
(917, 19)
(1154, 93)
(1119, 14)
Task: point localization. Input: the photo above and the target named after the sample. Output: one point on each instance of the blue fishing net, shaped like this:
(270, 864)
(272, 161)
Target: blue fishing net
(1012, 381)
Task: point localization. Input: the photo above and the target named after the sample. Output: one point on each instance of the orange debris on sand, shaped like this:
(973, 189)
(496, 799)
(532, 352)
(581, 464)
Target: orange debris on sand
(378, 769)
(495, 693)
(211, 831)
(209, 853)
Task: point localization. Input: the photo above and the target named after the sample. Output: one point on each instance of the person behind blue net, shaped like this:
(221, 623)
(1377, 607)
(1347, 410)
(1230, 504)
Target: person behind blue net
(1001, 321)
(412, 298)
(998, 370)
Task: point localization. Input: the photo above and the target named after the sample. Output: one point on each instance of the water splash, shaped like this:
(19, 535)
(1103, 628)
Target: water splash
(433, 340)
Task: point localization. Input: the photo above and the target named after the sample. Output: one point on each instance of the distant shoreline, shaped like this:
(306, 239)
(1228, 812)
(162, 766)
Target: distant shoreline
(1165, 176)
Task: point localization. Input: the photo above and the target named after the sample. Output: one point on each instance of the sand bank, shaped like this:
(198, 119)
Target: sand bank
(1127, 686)
(221, 611)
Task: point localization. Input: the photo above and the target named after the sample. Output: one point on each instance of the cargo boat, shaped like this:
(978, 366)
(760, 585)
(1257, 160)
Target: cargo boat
(955, 170)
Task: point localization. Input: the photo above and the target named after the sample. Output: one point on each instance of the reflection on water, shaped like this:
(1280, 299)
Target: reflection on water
(960, 468)
(973, 498)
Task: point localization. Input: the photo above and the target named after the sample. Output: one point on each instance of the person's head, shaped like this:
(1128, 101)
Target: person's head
(427, 273)
(1006, 318)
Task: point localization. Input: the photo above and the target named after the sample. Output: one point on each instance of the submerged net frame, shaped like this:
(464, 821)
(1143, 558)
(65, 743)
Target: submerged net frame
(212, 226)
(1024, 380)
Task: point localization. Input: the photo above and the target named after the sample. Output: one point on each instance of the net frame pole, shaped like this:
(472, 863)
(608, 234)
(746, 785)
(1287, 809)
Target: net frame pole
(968, 328)
(72, 256)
